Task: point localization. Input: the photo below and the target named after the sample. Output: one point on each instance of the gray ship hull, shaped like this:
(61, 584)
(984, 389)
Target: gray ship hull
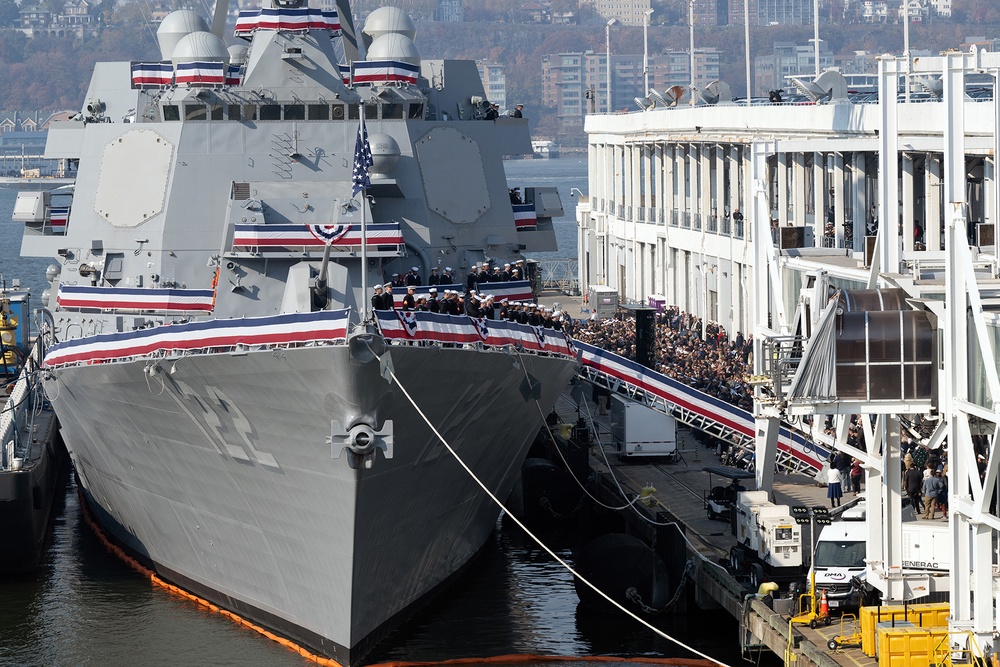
(219, 471)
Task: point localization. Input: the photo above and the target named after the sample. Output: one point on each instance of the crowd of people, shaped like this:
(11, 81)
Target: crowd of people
(699, 354)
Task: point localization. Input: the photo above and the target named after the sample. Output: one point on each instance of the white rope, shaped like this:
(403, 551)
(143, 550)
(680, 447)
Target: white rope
(523, 527)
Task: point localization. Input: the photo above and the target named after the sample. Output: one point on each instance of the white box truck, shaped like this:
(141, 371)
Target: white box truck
(841, 550)
(640, 431)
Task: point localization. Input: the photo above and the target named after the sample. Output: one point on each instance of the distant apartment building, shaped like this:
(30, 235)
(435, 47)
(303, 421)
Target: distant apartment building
(494, 77)
(575, 83)
(917, 11)
(713, 12)
(784, 12)
(450, 11)
(788, 59)
(78, 18)
(629, 12)
(875, 11)
(941, 7)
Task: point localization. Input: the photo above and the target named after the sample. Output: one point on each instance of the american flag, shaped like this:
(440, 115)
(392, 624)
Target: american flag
(362, 160)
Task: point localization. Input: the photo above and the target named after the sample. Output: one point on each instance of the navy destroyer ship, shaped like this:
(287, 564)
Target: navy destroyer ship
(240, 418)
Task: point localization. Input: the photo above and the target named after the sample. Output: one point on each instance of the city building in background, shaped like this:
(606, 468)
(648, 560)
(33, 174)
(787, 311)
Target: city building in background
(629, 12)
(494, 77)
(574, 83)
(788, 59)
(450, 11)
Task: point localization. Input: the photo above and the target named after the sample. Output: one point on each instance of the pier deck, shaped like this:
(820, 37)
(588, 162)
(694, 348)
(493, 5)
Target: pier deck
(679, 492)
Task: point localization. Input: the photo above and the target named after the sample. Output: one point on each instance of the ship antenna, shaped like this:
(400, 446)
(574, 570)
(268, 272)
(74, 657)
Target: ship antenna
(219, 18)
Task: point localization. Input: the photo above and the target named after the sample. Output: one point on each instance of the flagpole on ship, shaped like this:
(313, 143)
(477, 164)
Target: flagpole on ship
(361, 180)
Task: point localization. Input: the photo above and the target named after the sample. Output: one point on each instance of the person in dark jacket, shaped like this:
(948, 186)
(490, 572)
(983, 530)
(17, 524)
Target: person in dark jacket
(912, 483)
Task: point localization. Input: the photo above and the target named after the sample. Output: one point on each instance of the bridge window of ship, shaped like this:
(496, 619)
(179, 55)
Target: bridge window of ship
(171, 112)
(416, 111)
(234, 112)
(195, 112)
(319, 112)
(215, 112)
(249, 112)
(270, 112)
(392, 111)
(295, 112)
(371, 112)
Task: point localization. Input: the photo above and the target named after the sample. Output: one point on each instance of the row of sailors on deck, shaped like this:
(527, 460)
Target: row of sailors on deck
(412, 277)
(471, 304)
(482, 274)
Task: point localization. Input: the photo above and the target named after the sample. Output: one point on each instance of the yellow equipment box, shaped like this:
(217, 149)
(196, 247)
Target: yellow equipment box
(912, 647)
(928, 615)
(870, 617)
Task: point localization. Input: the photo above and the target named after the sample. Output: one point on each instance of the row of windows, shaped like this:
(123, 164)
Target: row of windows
(296, 111)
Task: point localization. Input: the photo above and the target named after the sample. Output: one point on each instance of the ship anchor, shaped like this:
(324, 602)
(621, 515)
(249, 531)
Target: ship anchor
(360, 441)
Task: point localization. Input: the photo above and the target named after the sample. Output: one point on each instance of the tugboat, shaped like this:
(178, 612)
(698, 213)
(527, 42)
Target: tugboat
(32, 459)
(241, 419)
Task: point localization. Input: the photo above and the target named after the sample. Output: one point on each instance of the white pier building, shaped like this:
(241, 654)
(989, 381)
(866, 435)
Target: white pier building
(769, 219)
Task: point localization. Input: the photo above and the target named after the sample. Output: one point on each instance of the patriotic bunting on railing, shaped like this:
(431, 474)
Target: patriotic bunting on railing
(461, 329)
(329, 325)
(151, 75)
(133, 298)
(384, 71)
(201, 73)
(283, 237)
(524, 217)
(307, 18)
(638, 376)
(58, 217)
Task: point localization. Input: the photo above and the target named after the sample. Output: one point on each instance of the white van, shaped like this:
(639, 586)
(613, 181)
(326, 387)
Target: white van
(841, 549)
(840, 556)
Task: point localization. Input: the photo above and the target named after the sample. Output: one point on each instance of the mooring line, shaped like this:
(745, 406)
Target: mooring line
(567, 566)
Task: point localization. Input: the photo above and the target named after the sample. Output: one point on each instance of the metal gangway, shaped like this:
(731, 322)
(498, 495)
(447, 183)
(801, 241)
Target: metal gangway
(560, 274)
(694, 408)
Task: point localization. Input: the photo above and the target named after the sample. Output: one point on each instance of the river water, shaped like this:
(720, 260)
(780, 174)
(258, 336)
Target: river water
(86, 607)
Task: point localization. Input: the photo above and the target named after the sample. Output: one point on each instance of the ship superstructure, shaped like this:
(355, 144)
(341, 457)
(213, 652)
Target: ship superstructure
(239, 416)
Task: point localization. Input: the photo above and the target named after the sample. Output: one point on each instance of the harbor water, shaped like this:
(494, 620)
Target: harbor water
(85, 606)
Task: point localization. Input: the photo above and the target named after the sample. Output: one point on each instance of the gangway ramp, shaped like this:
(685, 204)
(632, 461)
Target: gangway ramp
(694, 408)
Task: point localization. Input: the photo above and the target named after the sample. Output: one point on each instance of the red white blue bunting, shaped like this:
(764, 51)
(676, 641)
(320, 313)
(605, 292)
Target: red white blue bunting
(524, 217)
(151, 75)
(672, 391)
(277, 330)
(58, 217)
(461, 329)
(383, 71)
(234, 75)
(308, 18)
(200, 73)
(132, 298)
(283, 237)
